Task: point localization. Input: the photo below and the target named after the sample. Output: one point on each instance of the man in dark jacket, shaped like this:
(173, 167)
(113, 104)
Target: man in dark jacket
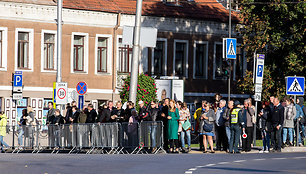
(107, 113)
(69, 116)
(220, 127)
(247, 113)
(92, 114)
(276, 118)
(143, 111)
(50, 113)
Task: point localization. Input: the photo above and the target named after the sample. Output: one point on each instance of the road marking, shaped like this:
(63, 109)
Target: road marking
(262, 159)
(200, 166)
(239, 161)
(193, 169)
(208, 165)
(301, 157)
(223, 163)
(188, 172)
(278, 158)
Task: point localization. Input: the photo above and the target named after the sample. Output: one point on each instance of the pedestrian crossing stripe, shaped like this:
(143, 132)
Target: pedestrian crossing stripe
(231, 50)
(295, 86)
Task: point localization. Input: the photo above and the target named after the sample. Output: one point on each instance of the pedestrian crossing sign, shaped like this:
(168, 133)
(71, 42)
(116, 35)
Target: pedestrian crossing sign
(295, 85)
(231, 49)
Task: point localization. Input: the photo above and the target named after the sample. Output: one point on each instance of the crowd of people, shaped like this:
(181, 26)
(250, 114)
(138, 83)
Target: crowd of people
(234, 124)
(230, 124)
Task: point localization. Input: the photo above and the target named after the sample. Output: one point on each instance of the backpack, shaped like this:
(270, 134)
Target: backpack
(82, 118)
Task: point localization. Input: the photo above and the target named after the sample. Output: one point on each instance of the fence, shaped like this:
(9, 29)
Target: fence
(108, 138)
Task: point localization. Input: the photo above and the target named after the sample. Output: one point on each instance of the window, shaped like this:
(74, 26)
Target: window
(159, 61)
(0, 48)
(102, 54)
(78, 53)
(240, 63)
(180, 58)
(200, 59)
(23, 50)
(125, 57)
(218, 74)
(49, 47)
(3, 48)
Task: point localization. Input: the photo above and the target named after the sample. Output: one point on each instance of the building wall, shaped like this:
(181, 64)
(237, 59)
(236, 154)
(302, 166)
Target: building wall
(40, 18)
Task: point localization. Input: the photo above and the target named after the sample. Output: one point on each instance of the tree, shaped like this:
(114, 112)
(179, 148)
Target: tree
(277, 29)
(146, 89)
(246, 85)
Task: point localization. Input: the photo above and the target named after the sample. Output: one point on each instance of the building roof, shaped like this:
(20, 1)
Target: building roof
(209, 10)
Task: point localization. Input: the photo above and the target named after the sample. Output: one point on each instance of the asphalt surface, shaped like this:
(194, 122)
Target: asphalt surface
(152, 164)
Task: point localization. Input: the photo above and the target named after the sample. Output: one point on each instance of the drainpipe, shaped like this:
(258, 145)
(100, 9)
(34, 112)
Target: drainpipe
(114, 72)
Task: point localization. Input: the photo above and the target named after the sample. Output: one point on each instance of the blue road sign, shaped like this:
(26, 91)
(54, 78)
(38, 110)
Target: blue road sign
(81, 101)
(295, 85)
(81, 88)
(259, 70)
(231, 44)
(18, 79)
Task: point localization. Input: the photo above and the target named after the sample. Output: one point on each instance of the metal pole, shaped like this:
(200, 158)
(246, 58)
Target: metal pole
(136, 49)
(254, 131)
(59, 41)
(297, 125)
(59, 45)
(229, 61)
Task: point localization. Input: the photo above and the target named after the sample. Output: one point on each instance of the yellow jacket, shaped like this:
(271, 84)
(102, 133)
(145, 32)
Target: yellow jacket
(197, 114)
(3, 123)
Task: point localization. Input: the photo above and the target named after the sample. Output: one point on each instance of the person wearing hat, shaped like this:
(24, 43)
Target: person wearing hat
(143, 111)
(236, 121)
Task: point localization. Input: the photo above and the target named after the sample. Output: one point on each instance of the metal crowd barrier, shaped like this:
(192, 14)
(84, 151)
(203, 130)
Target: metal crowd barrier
(111, 138)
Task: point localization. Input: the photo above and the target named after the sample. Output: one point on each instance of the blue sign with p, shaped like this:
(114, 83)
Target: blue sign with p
(259, 70)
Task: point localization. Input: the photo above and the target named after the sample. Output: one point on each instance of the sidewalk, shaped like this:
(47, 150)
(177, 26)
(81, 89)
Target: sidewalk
(254, 150)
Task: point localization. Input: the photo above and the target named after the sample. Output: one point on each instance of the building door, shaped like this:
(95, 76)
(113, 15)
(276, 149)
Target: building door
(10, 111)
(37, 105)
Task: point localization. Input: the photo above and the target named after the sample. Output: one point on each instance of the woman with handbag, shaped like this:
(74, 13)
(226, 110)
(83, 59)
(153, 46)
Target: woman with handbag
(184, 124)
(207, 127)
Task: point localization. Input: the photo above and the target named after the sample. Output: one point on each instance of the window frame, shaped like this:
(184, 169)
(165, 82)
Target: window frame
(3, 48)
(30, 51)
(165, 58)
(108, 54)
(118, 56)
(85, 53)
(185, 74)
(43, 32)
(206, 59)
(214, 61)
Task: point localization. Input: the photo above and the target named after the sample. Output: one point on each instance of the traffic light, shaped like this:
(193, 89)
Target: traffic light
(225, 68)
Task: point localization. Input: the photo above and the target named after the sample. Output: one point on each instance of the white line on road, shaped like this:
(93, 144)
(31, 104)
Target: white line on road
(200, 166)
(193, 169)
(210, 165)
(301, 157)
(278, 158)
(261, 159)
(239, 161)
(188, 172)
(223, 163)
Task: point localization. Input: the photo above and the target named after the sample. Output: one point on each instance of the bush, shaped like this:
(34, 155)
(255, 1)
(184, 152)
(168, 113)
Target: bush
(146, 89)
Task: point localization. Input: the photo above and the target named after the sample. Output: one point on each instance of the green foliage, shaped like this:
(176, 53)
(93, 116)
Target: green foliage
(146, 89)
(276, 29)
(246, 85)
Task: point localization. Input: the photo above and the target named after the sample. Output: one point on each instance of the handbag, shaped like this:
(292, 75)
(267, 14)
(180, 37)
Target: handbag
(208, 127)
(186, 125)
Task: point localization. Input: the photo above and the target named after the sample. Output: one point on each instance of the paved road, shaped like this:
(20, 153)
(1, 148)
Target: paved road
(152, 164)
